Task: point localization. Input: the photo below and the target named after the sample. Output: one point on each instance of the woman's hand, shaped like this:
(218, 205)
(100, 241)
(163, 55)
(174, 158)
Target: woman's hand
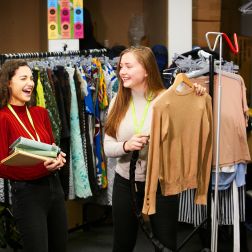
(57, 163)
(199, 89)
(137, 142)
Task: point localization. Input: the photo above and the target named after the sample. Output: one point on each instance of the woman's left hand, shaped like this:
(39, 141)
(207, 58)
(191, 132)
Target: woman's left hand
(58, 162)
(199, 89)
(55, 164)
(62, 159)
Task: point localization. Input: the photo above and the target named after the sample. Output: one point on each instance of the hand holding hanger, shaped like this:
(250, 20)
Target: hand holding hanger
(182, 78)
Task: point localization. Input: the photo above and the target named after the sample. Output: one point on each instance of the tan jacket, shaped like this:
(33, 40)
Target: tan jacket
(180, 151)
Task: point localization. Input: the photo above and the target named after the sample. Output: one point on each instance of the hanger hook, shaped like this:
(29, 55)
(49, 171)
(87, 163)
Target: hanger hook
(216, 40)
(234, 49)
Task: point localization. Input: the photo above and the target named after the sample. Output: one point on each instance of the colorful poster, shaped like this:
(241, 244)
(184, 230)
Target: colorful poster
(78, 19)
(65, 19)
(52, 19)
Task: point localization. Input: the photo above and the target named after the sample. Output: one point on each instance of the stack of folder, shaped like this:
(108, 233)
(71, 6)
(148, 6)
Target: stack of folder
(27, 152)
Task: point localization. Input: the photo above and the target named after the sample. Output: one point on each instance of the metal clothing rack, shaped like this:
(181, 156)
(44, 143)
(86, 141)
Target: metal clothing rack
(235, 49)
(40, 55)
(206, 221)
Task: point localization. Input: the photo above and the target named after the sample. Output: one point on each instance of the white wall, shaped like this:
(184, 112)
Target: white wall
(179, 27)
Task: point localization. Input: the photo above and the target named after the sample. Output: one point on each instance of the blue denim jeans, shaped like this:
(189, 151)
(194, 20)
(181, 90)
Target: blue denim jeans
(39, 210)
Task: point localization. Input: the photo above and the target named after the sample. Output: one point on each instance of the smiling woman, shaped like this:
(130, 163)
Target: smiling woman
(37, 195)
(21, 86)
(127, 129)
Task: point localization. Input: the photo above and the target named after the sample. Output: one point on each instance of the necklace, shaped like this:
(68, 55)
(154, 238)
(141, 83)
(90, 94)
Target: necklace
(21, 123)
(139, 125)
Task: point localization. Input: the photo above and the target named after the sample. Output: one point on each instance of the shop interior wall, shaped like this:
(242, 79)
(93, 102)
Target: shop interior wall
(111, 19)
(206, 17)
(238, 24)
(156, 21)
(23, 26)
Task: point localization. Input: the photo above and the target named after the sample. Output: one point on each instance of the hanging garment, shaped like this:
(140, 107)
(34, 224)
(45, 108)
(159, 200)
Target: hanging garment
(189, 212)
(71, 194)
(100, 102)
(63, 98)
(89, 119)
(226, 202)
(233, 139)
(2, 198)
(51, 106)
(88, 155)
(229, 174)
(40, 100)
(102, 93)
(180, 150)
(81, 182)
(111, 81)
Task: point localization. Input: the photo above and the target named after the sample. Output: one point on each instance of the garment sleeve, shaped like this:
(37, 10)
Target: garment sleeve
(244, 101)
(112, 147)
(204, 168)
(154, 161)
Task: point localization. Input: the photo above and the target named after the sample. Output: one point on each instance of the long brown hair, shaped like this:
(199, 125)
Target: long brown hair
(154, 82)
(7, 71)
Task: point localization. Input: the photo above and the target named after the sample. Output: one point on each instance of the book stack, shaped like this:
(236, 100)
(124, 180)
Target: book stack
(27, 152)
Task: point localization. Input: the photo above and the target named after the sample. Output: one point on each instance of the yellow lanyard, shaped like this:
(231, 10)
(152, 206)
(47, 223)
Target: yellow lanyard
(21, 123)
(139, 125)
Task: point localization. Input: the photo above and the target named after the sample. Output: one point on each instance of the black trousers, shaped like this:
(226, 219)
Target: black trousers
(163, 223)
(39, 210)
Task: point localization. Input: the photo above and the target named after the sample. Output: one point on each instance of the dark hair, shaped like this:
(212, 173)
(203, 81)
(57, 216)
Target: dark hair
(7, 71)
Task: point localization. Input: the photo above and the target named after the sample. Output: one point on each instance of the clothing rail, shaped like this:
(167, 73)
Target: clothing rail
(40, 55)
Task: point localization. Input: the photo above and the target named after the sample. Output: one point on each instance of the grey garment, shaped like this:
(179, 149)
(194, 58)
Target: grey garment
(225, 205)
(2, 198)
(71, 194)
(3, 193)
(105, 198)
(194, 214)
(189, 212)
(111, 164)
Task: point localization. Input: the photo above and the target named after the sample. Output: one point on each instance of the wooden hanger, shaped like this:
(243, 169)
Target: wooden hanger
(182, 78)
